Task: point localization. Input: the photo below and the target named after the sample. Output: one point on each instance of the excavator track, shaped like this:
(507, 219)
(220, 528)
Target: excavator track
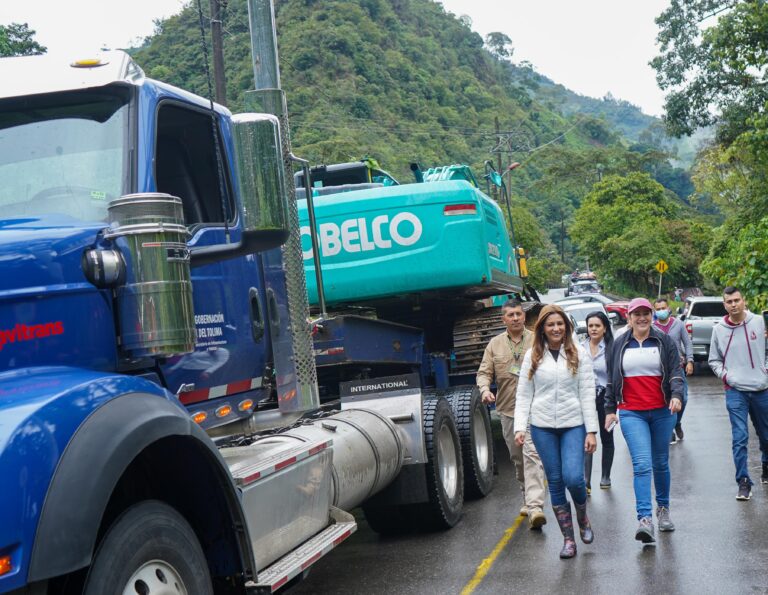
(472, 333)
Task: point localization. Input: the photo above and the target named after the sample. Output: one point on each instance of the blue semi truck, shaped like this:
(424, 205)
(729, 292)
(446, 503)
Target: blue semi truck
(171, 410)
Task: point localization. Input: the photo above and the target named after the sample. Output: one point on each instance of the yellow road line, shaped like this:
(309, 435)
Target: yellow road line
(486, 564)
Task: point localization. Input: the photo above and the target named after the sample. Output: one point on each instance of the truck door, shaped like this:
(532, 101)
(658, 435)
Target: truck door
(230, 351)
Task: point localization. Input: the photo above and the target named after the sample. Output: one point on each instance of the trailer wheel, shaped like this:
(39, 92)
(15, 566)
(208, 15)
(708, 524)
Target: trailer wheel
(474, 425)
(445, 475)
(149, 550)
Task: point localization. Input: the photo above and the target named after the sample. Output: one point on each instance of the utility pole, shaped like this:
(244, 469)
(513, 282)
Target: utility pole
(498, 155)
(218, 53)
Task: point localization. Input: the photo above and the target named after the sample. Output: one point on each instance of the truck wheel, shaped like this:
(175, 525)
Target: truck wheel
(445, 476)
(150, 549)
(474, 425)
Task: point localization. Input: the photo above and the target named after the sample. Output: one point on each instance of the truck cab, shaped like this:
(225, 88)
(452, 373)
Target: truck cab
(101, 132)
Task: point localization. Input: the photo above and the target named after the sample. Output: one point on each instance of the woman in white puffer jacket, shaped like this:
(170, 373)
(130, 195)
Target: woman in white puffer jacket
(556, 395)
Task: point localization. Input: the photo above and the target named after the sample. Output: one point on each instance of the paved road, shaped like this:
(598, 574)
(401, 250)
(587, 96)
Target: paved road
(552, 295)
(720, 546)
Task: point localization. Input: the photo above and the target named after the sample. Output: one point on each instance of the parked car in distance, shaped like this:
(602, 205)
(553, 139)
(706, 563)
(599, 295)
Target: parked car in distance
(699, 315)
(581, 310)
(580, 287)
(611, 305)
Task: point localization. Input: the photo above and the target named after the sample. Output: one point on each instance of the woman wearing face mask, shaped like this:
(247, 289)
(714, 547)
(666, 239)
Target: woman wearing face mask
(599, 341)
(556, 391)
(645, 384)
(669, 325)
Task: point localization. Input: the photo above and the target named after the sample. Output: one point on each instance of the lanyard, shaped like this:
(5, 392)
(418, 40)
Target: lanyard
(517, 351)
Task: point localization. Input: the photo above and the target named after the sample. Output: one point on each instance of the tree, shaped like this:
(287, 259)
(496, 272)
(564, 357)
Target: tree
(16, 39)
(738, 257)
(500, 45)
(736, 177)
(719, 74)
(722, 65)
(627, 223)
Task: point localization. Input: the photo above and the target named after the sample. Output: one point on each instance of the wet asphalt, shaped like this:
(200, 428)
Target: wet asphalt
(720, 545)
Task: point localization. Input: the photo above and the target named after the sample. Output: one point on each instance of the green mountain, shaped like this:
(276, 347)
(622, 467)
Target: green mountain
(398, 79)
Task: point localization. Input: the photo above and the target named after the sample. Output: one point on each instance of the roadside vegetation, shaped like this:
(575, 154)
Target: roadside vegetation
(714, 63)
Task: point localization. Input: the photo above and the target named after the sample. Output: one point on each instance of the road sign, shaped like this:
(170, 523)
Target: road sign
(662, 267)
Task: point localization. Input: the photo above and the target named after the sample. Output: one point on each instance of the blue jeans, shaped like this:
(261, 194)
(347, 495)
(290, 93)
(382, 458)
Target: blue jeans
(647, 435)
(561, 451)
(762, 439)
(739, 404)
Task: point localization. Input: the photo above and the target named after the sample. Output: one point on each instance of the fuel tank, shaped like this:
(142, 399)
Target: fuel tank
(50, 314)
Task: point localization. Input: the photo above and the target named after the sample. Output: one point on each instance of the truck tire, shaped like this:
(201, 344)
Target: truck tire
(445, 475)
(473, 423)
(148, 549)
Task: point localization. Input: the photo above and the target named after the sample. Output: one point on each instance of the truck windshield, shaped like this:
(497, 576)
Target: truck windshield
(63, 153)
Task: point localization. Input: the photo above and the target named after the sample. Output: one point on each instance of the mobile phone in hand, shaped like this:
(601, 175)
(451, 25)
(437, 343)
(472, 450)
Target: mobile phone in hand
(612, 426)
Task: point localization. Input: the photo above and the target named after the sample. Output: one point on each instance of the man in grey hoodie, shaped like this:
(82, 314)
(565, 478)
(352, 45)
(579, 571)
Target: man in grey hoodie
(737, 355)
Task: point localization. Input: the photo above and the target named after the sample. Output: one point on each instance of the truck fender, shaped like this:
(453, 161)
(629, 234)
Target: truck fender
(88, 471)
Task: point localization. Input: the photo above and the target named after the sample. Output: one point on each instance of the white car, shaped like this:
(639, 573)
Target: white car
(579, 311)
(611, 305)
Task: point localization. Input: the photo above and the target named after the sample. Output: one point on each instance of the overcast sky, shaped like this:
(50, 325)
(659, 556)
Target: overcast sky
(76, 26)
(591, 46)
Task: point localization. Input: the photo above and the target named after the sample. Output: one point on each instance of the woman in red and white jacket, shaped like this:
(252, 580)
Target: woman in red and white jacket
(556, 391)
(645, 383)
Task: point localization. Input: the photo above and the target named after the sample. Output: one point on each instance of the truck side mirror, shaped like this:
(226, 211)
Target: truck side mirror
(260, 172)
(260, 175)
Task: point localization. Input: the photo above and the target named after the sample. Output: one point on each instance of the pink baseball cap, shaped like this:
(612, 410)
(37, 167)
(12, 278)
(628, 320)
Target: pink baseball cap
(639, 303)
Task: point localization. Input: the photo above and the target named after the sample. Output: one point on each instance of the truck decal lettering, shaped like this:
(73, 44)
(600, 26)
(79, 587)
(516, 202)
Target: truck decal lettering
(394, 229)
(377, 239)
(217, 318)
(348, 233)
(365, 243)
(357, 235)
(329, 239)
(23, 332)
(379, 386)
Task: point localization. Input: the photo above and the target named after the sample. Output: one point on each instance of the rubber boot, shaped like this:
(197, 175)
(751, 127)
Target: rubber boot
(605, 481)
(563, 516)
(588, 472)
(585, 528)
